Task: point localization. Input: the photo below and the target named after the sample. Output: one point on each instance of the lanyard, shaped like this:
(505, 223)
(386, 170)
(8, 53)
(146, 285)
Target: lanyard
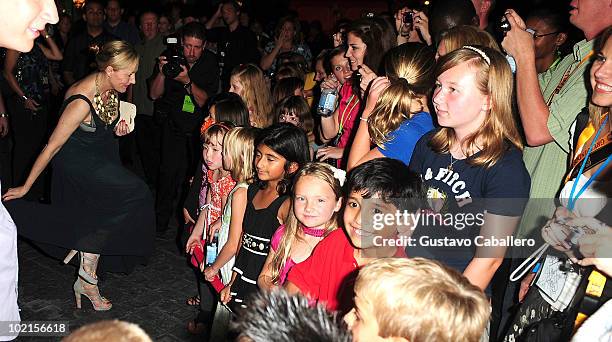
(569, 72)
(572, 198)
(344, 117)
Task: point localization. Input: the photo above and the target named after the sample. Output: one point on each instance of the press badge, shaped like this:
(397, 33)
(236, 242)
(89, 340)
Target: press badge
(188, 105)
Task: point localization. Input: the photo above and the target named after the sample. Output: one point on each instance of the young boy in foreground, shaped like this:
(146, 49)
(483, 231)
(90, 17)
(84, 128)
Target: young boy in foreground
(399, 299)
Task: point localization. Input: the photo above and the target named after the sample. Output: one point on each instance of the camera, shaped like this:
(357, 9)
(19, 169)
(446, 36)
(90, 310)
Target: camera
(408, 18)
(504, 25)
(174, 57)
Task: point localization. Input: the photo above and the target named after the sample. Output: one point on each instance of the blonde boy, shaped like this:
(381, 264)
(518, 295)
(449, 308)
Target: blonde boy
(398, 299)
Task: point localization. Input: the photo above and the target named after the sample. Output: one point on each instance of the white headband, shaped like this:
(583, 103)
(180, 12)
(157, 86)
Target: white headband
(480, 52)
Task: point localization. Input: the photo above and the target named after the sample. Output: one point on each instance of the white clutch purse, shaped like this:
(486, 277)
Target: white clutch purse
(127, 112)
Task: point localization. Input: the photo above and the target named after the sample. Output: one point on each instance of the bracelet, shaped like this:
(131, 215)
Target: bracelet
(25, 98)
(187, 85)
(363, 119)
(3, 115)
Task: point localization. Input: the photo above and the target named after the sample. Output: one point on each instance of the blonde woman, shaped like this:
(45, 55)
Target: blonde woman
(396, 114)
(97, 206)
(248, 81)
(472, 164)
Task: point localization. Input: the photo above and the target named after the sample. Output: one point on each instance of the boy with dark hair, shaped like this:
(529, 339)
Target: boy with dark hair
(276, 316)
(379, 186)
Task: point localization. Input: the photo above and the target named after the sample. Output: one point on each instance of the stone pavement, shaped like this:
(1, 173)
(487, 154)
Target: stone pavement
(152, 296)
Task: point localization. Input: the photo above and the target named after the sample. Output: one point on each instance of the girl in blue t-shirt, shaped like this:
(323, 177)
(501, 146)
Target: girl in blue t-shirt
(472, 165)
(396, 114)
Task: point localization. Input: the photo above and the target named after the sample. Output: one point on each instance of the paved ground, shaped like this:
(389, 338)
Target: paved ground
(152, 296)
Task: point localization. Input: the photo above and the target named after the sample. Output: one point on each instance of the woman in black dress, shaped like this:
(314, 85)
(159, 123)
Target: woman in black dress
(97, 206)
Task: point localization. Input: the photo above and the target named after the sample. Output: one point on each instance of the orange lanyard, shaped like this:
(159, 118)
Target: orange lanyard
(344, 117)
(569, 72)
(580, 153)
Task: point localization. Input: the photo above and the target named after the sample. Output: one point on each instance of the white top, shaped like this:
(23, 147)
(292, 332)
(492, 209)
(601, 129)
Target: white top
(9, 270)
(598, 327)
(226, 270)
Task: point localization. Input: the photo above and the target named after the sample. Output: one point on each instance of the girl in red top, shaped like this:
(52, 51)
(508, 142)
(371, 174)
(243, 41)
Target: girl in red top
(317, 198)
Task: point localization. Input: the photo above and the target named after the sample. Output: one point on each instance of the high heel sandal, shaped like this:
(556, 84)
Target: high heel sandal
(82, 273)
(93, 294)
(86, 282)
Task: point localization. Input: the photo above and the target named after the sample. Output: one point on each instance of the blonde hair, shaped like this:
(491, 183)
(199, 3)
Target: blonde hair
(410, 69)
(461, 35)
(118, 54)
(422, 300)
(256, 93)
(292, 225)
(494, 79)
(115, 330)
(239, 146)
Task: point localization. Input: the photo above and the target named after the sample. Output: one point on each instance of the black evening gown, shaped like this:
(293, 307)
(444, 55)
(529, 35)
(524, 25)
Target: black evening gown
(97, 206)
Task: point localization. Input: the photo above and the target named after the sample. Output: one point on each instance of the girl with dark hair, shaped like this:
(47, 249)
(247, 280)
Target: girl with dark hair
(286, 87)
(226, 107)
(365, 50)
(281, 150)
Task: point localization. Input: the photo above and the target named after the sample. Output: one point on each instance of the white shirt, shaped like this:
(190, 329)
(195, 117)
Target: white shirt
(9, 270)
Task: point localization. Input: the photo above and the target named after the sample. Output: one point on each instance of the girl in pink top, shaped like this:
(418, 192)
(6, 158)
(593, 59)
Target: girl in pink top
(316, 201)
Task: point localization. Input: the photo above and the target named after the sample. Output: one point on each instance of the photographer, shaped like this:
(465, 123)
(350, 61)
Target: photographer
(178, 102)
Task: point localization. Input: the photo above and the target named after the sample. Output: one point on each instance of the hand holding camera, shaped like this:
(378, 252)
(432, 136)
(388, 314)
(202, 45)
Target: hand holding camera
(517, 41)
(172, 63)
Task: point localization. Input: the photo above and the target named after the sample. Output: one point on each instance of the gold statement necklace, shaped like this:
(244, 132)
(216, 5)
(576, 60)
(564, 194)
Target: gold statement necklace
(107, 112)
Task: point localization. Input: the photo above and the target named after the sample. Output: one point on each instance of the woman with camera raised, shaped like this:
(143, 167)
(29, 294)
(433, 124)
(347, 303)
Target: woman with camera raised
(287, 38)
(97, 206)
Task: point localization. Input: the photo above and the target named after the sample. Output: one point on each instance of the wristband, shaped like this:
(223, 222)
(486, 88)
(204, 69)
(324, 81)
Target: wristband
(187, 85)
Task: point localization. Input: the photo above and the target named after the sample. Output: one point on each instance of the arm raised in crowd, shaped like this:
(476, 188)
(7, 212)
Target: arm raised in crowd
(156, 85)
(533, 110)
(52, 52)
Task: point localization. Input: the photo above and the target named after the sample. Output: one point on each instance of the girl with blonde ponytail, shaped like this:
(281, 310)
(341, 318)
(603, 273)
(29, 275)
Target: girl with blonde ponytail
(396, 114)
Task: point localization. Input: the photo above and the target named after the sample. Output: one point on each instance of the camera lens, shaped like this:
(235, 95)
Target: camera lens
(504, 25)
(171, 69)
(408, 18)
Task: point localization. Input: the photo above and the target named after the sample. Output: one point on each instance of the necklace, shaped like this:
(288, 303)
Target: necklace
(450, 166)
(106, 111)
(313, 231)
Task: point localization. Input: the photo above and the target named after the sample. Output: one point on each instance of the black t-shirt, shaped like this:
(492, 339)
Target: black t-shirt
(233, 49)
(80, 53)
(460, 192)
(205, 76)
